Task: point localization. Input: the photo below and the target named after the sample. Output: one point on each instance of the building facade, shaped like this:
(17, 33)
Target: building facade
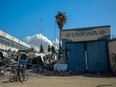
(112, 54)
(9, 43)
(86, 49)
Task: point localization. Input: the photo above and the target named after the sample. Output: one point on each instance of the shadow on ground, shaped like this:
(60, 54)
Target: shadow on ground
(5, 82)
(67, 74)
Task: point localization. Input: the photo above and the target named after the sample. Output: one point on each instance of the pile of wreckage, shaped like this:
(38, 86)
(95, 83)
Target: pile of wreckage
(39, 63)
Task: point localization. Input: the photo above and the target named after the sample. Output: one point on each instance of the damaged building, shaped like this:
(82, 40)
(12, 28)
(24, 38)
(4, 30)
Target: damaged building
(88, 49)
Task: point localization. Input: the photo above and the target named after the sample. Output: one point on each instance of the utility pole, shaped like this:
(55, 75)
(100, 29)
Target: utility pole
(41, 30)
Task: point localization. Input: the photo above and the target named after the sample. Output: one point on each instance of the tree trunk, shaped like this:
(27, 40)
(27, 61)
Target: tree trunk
(59, 43)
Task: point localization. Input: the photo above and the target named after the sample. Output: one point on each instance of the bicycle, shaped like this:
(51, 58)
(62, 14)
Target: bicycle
(18, 75)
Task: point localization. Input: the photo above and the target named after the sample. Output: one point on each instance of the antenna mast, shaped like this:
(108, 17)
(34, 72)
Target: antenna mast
(41, 28)
(41, 25)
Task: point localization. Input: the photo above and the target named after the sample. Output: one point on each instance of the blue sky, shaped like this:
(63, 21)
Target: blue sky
(21, 18)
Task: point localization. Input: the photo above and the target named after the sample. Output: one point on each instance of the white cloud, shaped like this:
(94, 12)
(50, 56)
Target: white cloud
(36, 40)
(56, 43)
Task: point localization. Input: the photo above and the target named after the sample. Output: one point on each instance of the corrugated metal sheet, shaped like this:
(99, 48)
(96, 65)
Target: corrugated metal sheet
(97, 57)
(76, 57)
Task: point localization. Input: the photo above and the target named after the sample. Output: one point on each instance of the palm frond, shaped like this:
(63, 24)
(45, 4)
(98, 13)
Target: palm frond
(61, 19)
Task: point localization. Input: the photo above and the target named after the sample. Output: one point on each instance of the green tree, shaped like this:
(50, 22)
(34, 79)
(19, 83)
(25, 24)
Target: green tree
(61, 20)
(52, 50)
(32, 49)
(41, 49)
(48, 48)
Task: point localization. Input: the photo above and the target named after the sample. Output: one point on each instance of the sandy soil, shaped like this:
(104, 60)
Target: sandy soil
(61, 81)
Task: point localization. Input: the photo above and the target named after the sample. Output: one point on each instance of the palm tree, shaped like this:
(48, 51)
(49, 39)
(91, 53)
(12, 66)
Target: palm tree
(61, 19)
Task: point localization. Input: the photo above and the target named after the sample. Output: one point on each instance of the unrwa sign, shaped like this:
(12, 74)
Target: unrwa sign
(85, 34)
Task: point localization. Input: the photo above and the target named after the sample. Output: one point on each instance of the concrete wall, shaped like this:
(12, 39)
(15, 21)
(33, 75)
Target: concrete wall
(112, 54)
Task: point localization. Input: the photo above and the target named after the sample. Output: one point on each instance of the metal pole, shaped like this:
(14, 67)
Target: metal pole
(86, 60)
(41, 25)
(41, 28)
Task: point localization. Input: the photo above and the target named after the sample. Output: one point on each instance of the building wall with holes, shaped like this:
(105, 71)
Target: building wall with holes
(112, 54)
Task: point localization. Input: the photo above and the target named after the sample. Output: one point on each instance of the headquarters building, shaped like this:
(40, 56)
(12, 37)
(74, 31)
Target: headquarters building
(9, 43)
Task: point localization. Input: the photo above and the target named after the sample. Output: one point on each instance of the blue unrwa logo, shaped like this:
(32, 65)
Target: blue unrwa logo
(85, 33)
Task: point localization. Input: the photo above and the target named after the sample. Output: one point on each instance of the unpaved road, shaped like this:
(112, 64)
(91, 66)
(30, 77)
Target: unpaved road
(69, 81)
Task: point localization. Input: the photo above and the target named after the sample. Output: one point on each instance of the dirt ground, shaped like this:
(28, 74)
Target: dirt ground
(64, 81)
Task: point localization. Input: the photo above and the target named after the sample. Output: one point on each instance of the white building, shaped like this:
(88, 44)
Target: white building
(9, 43)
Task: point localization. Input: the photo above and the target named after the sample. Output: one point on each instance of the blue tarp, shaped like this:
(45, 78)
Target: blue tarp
(12, 64)
(60, 67)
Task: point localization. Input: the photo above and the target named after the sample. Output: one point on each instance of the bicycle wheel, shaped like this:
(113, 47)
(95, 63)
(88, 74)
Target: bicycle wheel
(26, 77)
(11, 78)
(21, 78)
